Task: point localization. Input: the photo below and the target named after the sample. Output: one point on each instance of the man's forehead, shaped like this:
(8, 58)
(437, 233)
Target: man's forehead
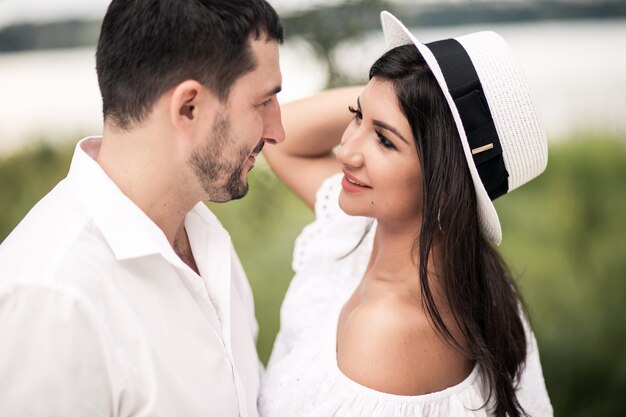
(265, 80)
(266, 75)
(266, 55)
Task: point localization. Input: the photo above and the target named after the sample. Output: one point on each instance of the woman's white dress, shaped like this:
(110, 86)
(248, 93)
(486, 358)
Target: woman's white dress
(302, 377)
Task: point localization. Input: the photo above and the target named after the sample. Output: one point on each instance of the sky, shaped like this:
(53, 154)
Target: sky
(16, 11)
(546, 49)
(19, 11)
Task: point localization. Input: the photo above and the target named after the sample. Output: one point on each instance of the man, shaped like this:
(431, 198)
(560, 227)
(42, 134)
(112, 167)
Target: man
(120, 293)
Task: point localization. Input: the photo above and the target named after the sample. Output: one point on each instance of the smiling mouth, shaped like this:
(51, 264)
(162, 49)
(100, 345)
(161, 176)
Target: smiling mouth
(355, 183)
(350, 179)
(257, 150)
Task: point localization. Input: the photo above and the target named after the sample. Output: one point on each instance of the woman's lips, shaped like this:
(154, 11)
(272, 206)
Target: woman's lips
(352, 184)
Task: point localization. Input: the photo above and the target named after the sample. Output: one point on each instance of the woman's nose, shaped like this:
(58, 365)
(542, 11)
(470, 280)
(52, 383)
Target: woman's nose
(349, 153)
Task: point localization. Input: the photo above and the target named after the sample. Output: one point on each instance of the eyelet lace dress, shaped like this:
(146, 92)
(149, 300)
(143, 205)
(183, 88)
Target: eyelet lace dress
(302, 378)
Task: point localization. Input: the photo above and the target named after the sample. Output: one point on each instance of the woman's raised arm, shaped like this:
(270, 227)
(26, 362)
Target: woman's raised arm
(313, 127)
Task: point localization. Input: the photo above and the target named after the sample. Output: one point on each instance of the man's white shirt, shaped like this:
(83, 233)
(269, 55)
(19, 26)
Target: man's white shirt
(99, 317)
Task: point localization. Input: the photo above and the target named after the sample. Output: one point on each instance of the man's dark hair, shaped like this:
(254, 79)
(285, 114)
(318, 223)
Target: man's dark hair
(148, 46)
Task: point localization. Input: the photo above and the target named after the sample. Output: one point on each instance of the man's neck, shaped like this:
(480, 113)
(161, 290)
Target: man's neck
(182, 247)
(146, 169)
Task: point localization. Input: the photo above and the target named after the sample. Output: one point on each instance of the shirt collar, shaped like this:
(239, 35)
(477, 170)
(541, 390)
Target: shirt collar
(127, 229)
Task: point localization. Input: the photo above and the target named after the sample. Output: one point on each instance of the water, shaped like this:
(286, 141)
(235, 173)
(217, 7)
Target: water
(576, 69)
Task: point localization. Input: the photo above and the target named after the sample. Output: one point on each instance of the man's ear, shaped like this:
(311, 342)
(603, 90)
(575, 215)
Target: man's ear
(188, 98)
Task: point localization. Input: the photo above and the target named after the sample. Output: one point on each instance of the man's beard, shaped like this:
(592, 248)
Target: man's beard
(221, 179)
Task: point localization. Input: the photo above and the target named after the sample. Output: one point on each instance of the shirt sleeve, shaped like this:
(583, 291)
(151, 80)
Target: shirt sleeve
(532, 393)
(329, 217)
(56, 358)
(327, 199)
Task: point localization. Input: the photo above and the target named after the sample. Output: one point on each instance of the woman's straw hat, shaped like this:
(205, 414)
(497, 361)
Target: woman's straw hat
(502, 136)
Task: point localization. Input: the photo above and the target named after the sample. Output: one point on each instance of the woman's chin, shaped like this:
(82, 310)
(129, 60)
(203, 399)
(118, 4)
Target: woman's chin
(354, 208)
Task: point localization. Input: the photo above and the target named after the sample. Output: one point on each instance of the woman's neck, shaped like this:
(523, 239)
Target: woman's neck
(392, 249)
(393, 257)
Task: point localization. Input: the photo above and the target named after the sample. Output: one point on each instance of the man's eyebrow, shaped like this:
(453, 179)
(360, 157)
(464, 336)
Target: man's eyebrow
(383, 124)
(273, 91)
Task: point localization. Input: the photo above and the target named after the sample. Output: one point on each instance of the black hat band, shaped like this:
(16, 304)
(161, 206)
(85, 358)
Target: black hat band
(468, 95)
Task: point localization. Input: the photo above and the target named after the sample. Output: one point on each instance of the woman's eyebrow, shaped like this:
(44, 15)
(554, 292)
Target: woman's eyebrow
(383, 124)
(389, 128)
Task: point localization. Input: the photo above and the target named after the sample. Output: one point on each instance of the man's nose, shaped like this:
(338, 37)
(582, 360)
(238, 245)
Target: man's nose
(274, 132)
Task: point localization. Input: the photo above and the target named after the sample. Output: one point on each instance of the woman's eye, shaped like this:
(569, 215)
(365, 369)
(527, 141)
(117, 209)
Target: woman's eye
(357, 113)
(384, 141)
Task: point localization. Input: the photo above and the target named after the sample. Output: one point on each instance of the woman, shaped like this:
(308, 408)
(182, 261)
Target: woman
(400, 305)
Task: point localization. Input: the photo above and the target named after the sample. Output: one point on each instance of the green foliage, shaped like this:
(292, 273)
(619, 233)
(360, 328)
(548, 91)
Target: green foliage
(563, 238)
(25, 178)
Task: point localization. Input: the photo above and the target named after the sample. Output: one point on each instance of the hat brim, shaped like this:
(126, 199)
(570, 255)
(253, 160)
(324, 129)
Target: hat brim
(396, 34)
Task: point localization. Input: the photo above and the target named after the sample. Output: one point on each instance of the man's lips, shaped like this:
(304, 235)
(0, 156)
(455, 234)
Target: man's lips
(257, 150)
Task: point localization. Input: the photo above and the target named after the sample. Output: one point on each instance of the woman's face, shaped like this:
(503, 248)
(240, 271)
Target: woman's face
(382, 175)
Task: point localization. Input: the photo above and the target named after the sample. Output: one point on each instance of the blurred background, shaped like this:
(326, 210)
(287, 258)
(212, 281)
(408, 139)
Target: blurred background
(564, 233)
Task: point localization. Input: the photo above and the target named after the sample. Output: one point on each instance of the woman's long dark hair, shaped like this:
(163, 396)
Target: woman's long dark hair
(475, 281)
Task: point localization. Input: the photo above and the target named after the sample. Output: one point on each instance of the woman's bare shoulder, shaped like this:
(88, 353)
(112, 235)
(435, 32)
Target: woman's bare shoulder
(389, 345)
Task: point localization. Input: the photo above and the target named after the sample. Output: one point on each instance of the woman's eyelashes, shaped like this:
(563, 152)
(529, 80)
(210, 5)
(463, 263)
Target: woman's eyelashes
(384, 142)
(382, 139)
(357, 113)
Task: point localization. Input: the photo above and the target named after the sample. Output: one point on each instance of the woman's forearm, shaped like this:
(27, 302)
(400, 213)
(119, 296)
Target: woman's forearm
(314, 126)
